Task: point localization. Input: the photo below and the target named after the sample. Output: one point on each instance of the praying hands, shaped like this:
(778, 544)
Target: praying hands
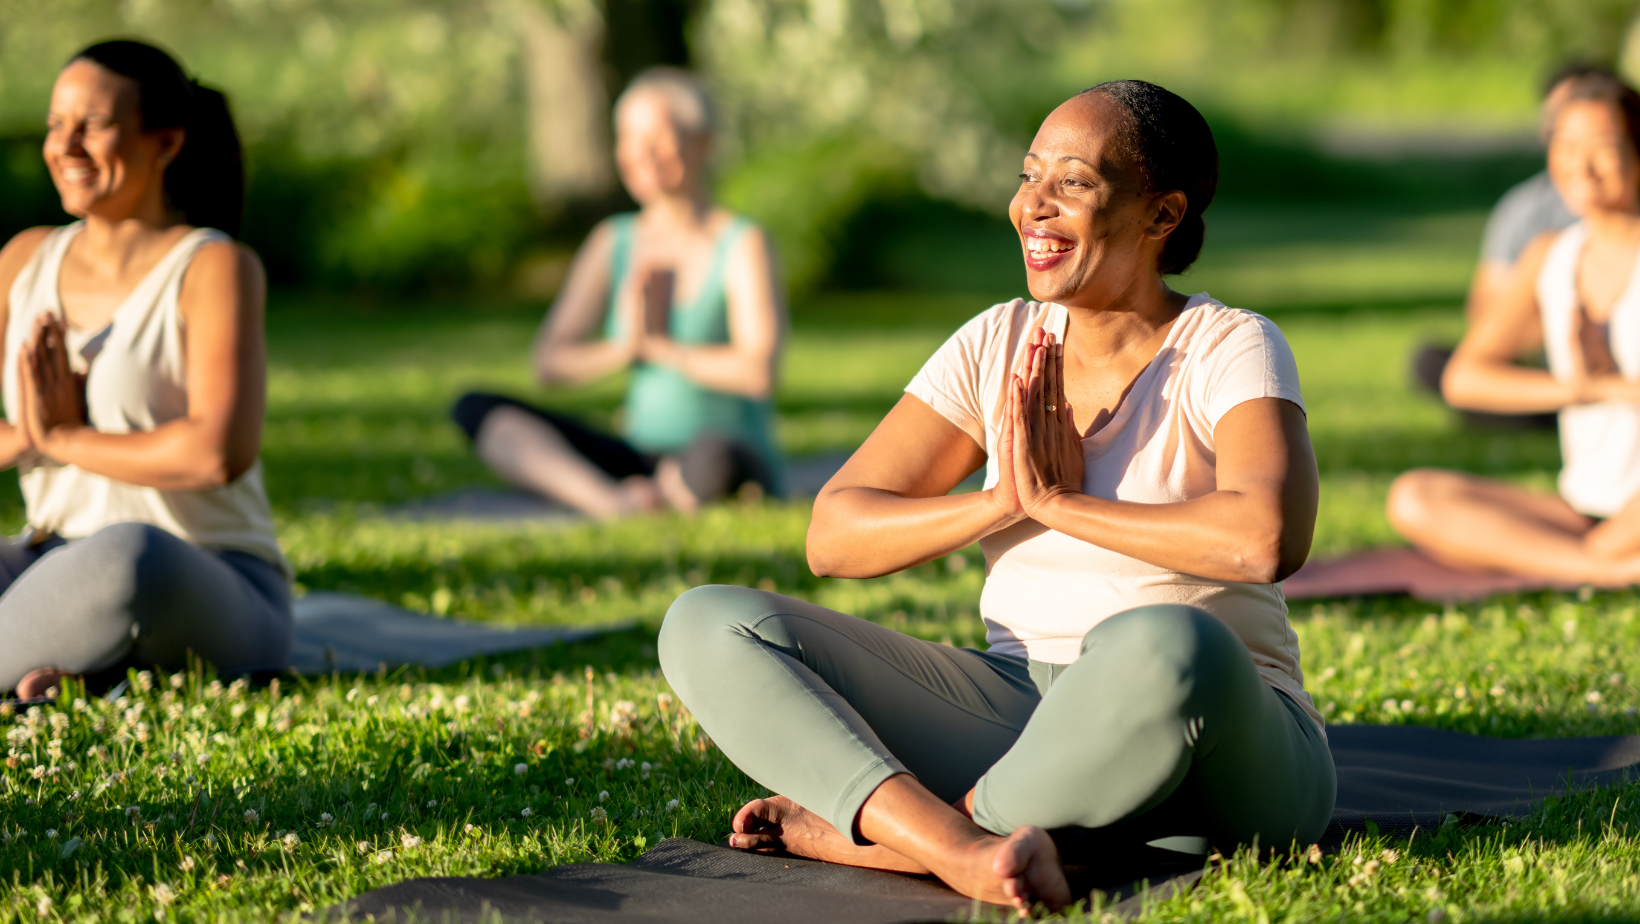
(52, 394)
(1039, 452)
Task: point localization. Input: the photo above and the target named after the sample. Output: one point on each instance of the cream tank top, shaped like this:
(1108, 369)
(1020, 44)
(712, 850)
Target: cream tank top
(1600, 442)
(136, 380)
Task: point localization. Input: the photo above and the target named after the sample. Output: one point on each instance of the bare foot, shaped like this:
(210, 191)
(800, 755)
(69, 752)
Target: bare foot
(669, 478)
(778, 823)
(43, 682)
(638, 494)
(1027, 863)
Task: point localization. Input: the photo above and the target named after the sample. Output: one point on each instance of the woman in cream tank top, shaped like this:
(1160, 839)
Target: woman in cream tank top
(134, 383)
(1577, 295)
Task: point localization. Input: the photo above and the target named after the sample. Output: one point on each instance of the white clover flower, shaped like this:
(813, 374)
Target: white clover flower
(646, 766)
(326, 818)
(42, 906)
(527, 812)
(472, 830)
(384, 816)
(133, 810)
(145, 681)
(372, 700)
(352, 694)
(363, 846)
(672, 806)
(51, 833)
(383, 857)
(1592, 697)
(410, 841)
(461, 703)
(210, 839)
(1497, 690)
(291, 840)
(603, 795)
(213, 689)
(520, 769)
(250, 816)
(569, 781)
(38, 773)
(432, 803)
(187, 864)
(177, 680)
(609, 763)
(599, 816)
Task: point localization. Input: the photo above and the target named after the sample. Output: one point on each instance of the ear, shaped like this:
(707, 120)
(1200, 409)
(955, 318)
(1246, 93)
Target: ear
(1167, 210)
(170, 144)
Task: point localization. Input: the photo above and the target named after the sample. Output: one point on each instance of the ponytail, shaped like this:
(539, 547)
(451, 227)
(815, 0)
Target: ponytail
(206, 182)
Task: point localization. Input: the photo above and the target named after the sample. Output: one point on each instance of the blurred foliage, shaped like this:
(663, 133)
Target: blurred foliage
(386, 137)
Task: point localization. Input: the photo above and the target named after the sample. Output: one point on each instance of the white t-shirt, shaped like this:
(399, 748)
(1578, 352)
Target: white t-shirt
(1043, 589)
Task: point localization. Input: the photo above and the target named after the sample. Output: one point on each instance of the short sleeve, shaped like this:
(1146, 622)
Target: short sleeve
(1252, 361)
(1526, 211)
(949, 382)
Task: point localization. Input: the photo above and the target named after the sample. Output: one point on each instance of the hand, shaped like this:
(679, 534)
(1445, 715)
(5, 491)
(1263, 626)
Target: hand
(1047, 449)
(53, 395)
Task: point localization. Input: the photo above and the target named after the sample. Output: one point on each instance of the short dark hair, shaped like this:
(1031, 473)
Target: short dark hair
(206, 182)
(1174, 150)
(1605, 87)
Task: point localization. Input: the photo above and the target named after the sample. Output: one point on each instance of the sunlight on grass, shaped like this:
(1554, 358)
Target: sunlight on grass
(193, 801)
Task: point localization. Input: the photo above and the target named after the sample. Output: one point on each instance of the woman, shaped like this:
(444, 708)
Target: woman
(1576, 295)
(688, 298)
(134, 389)
(1148, 479)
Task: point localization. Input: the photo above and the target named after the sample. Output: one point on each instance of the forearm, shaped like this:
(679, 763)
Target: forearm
(1224, 536)
(868, 532)
(724, 368)
(13, 443)
(581, 362)
(1505, 388)
(183, 455)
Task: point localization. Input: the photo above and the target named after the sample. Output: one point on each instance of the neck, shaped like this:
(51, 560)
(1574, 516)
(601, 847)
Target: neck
(1112, 322)
(119, 241)
(1613, 225)
(686, 208)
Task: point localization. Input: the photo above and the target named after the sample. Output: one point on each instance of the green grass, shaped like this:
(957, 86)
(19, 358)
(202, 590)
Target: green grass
(141, 810)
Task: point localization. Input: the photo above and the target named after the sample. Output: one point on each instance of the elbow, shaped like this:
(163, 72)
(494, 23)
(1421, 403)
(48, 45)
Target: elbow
(1456, 387)
(1260, 560)
(218, 470)
(821, 565)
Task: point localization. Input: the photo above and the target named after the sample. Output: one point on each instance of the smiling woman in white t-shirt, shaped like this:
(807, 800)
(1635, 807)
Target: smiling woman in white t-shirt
(1149, 478)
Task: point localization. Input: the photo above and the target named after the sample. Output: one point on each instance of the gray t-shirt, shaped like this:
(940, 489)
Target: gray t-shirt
(1524, 212)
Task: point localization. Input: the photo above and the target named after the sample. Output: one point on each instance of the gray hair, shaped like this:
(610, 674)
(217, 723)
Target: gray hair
(686, 98)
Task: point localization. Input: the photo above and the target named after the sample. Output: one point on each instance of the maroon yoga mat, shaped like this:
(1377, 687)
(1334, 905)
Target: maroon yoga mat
(1403, 571)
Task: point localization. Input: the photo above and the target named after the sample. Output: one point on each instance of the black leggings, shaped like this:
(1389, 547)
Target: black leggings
(713, 466)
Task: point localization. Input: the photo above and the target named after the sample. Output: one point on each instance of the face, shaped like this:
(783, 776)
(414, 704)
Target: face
(655, 159)
(1088, 227)
(1592, 161)
(101, 159)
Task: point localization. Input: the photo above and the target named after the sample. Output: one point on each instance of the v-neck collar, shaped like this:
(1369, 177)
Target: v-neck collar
(157, 271)
(1097, 443)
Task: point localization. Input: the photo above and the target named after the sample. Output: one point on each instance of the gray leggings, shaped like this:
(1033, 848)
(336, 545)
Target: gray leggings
(135, 591)
(1161, 733)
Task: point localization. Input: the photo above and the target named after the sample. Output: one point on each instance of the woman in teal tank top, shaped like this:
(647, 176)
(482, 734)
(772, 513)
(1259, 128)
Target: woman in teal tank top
(685, 295)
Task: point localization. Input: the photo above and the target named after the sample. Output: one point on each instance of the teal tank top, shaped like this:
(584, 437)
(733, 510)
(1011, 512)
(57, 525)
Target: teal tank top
(664, 410)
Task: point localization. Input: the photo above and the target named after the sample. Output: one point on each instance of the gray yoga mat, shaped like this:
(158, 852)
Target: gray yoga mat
(1397, 776)
(348, 633)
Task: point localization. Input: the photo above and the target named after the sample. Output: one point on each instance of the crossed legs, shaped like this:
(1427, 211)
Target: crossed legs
(1487, 525)
(902, 754)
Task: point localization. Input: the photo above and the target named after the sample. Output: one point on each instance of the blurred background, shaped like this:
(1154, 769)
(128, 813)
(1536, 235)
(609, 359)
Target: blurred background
(422, 170)
(461, 145)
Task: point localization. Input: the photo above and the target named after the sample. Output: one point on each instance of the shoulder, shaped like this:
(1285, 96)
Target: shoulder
(1531, 193)
(990, 338)
(1209, 324)
(222, 267)
(21, 249)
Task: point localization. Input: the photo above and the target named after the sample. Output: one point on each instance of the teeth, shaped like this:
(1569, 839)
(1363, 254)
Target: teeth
(76, 174)
(1039, 245)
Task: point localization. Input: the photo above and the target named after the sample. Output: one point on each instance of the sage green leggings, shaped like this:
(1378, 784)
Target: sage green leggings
(1162, 733)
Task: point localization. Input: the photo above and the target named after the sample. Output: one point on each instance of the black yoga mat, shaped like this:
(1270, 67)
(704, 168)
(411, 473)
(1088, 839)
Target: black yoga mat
(1397, 776)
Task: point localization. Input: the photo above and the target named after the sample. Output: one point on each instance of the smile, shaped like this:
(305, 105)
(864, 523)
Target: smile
(1044, 251)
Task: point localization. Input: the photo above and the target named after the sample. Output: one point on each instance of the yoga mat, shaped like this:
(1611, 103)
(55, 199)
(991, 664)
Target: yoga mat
(1403, 571)
(1397, 776)
(348, 633)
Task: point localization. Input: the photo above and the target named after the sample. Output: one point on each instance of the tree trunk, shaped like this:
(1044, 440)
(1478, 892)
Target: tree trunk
(568, 106)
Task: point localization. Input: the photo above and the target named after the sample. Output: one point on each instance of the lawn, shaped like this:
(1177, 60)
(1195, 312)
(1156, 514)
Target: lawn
(191, 800)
